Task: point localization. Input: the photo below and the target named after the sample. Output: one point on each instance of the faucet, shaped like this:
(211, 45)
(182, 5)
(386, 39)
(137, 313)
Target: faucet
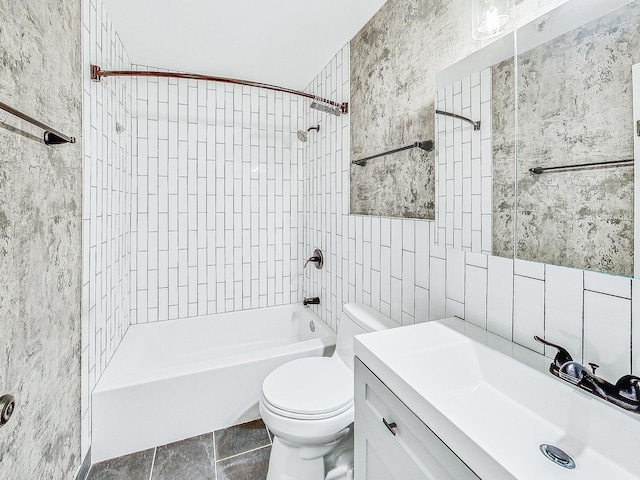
(317, 259)
(625, 393)
(311, 301)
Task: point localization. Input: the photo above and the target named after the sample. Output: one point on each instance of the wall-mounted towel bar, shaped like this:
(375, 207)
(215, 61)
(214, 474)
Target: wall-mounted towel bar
(476, 125)
(426, 145)
(51, 136)
(541, 170)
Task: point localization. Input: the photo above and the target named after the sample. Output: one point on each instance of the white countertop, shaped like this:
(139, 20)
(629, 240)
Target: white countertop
(494, 403)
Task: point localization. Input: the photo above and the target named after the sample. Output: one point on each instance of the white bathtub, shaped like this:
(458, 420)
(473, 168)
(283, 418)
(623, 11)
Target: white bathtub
(172, 380)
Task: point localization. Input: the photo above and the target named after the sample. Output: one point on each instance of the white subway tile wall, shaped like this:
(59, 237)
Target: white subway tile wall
(217, 223)
(464, 165)
(106, 247)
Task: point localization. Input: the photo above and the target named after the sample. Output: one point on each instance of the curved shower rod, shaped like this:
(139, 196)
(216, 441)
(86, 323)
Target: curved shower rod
(325, 105)
(476, 125)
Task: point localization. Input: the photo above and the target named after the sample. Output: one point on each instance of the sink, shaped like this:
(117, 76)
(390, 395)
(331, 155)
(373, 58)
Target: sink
(494, 403)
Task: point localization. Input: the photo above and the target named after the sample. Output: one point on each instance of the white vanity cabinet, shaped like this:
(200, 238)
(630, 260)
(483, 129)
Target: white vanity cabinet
(391, 443)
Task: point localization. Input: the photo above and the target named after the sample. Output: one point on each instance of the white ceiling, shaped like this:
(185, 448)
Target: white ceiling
(284, 42)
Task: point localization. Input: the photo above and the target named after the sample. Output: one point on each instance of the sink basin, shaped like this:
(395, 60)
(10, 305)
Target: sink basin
(494, 403)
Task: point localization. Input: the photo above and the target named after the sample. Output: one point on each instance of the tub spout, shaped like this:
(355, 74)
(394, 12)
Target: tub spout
(311, 301)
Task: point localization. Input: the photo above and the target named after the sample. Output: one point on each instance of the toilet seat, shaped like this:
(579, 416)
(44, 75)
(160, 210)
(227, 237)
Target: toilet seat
(309, 389)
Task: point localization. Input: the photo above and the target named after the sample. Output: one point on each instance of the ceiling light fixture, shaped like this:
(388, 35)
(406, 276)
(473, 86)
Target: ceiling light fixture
(489, 17)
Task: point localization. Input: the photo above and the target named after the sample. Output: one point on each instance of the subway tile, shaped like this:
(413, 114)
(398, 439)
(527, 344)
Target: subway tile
(529, 269)
(455, 275)
(437, 275)
(475, 301)
(500, 296)
(563, 309)
(607, 284)
(528, 311)
(607, 333)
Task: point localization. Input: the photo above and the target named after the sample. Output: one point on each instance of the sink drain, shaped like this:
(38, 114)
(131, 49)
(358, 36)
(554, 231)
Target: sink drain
(557, 456)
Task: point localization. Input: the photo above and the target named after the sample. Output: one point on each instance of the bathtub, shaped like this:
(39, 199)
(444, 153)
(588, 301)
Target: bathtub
(173, 380)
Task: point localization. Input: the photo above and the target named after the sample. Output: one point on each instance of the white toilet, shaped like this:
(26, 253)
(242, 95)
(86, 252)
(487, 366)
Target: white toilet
(308, 406)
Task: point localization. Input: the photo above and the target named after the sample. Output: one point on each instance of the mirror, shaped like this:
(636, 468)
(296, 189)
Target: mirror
(466, 158)
(566, 101)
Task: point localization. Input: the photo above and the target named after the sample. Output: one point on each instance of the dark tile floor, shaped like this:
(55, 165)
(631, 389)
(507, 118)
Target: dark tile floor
(240, 452)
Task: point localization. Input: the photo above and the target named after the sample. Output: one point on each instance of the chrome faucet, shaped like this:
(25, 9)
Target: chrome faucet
(625, 393)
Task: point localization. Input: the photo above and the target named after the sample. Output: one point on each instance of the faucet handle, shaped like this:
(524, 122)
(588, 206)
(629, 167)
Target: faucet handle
(317, 259)
(311, 259)
(629, 387)
(562, 357)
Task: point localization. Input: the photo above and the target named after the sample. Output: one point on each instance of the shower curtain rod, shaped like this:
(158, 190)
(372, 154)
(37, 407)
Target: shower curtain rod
(476, 125)
(97, 74)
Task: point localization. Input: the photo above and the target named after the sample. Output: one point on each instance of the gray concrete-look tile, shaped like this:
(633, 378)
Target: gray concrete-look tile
(190, 459)
(253, 465)
(241, 438)
(136, 466)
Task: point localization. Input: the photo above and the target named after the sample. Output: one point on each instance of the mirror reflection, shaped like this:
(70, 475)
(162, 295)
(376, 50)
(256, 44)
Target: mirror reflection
(564, 111)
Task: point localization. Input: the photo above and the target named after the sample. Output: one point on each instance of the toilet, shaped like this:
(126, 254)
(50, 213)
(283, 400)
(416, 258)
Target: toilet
(308, 406)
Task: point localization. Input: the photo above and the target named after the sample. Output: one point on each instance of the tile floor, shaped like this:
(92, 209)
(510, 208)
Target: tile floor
(240, 452)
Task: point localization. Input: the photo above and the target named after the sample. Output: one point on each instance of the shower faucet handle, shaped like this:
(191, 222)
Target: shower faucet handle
(316, 259)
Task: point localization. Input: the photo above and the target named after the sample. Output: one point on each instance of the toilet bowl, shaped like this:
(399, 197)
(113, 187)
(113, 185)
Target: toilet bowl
(308, 405)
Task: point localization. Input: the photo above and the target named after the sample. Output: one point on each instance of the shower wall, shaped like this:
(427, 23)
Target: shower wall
(217, 199)
(107, 174)
(377, 261)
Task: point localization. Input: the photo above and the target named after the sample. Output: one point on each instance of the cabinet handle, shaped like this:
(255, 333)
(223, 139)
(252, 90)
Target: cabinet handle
(390, 426)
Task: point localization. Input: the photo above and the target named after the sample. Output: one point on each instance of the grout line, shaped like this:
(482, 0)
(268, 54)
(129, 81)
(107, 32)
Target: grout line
(153, 462)
(243, 453)
(215, 457)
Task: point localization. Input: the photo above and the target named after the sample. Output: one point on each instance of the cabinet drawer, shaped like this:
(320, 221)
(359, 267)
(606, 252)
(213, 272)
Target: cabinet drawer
(409, 450)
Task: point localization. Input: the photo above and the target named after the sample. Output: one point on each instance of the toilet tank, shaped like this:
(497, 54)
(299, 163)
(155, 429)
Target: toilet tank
(358, 319)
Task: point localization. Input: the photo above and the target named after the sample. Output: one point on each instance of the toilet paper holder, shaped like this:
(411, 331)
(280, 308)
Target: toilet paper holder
(7, 407)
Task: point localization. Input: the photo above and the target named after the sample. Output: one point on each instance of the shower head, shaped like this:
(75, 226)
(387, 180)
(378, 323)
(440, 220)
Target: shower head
(323, 107)
(303, 136)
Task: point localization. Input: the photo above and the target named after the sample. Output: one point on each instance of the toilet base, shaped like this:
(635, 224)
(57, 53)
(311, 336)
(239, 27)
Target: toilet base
(296, 462)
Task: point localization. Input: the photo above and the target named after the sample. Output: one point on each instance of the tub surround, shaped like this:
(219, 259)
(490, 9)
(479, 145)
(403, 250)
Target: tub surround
(217, 220)
(40, 240)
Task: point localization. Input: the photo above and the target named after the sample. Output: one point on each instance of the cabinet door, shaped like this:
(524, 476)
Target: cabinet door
(413, 453)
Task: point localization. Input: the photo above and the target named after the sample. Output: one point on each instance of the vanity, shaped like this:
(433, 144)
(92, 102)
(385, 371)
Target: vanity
(448, 400)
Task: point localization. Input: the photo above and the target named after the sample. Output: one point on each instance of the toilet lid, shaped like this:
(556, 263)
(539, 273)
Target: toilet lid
(310, 386)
